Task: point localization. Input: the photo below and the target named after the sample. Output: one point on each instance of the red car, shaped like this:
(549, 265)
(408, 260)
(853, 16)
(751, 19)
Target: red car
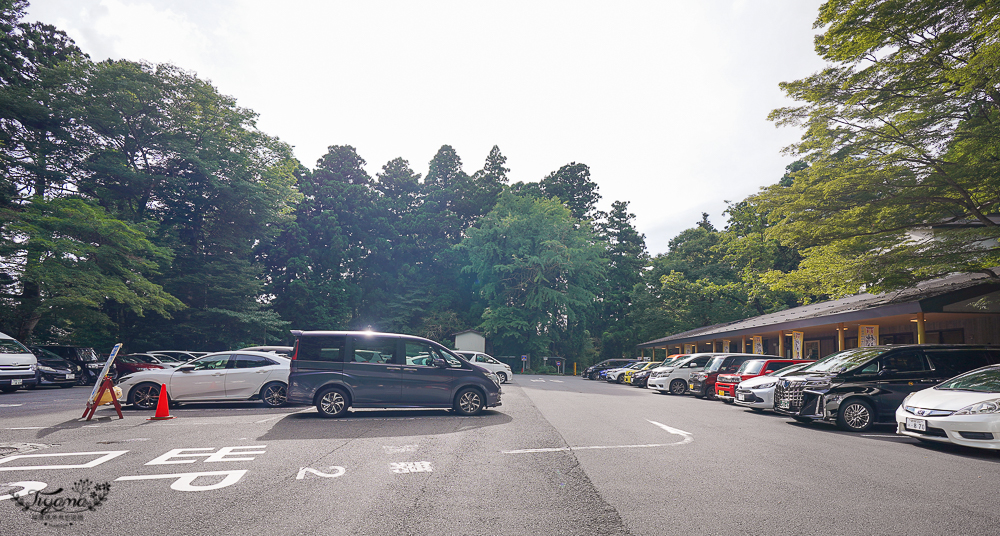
(725, 384)
(127, 364)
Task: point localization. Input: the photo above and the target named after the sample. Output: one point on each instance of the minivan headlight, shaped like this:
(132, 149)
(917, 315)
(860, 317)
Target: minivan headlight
(980, 408)
(767, 385)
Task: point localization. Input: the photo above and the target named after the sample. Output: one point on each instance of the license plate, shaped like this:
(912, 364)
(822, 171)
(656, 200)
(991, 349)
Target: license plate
(722, 393)
(741, 397)
(783, 404)
(917, 425)
(15, 382)
(71, 376)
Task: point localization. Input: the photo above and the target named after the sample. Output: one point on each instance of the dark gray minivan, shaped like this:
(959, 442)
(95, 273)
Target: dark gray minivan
(336, 370)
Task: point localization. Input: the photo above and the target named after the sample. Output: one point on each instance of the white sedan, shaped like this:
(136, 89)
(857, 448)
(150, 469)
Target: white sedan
(964, 410)
(237, 375)
(758, 393)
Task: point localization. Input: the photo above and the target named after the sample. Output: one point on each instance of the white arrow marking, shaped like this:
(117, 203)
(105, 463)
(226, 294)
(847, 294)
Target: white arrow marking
(538, 380)
(688, 437)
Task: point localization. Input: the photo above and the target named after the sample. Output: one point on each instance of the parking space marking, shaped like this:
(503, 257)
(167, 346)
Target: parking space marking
(10, 405)
(399, 450)
(688, 436)
(185, 481)
(411, 467)
(27, 428)
(106, 455)
(337, 471)
(29, 486)
(883, 435)
(538, 380)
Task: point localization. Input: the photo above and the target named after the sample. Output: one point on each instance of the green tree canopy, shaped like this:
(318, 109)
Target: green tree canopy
(537, 266)
(902, 138)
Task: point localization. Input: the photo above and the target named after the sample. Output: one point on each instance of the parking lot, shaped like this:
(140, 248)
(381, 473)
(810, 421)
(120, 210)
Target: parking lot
(560, 456)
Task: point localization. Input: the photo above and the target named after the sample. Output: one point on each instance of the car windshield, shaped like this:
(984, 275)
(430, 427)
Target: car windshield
(982, 381)
(638, 365)
(10, 346)
(751, 367)
(845, 360)
(715, 364)
(46, 354)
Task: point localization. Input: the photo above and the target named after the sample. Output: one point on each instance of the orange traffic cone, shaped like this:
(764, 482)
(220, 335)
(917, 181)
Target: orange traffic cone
(162, 406)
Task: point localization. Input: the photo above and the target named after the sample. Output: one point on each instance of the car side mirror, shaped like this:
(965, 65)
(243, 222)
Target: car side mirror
(440, 363)
(186, 368)
(768, 371)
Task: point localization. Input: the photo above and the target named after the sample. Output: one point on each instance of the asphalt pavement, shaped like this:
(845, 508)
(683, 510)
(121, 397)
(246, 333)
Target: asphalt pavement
(562, 455)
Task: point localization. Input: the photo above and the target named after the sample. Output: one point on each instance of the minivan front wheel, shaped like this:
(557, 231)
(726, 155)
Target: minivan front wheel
(678, 387)
(855, 415)
(469, 401)
(332, 403)
(502, 376)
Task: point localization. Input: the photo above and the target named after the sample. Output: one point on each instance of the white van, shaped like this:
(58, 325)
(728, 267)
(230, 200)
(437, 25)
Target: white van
(17, 365)
(488, 362)
(673, 379)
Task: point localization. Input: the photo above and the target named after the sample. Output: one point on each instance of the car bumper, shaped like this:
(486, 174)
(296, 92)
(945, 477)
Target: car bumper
(17, 380)
(55, 378)
(725, 391)
(978, 431)
(759, 399)
(660, 384)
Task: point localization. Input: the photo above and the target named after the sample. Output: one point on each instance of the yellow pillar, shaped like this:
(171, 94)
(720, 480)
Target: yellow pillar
(781, 343)
(743, 345)
(921, 329)
(840, 337)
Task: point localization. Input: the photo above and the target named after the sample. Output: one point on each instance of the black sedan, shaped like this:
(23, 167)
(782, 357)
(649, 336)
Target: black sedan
(54, 370)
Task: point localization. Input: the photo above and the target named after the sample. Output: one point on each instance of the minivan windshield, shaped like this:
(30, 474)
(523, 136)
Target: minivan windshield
(788, 370)
(845, 360)
(751, 367)
(982, 381)
(715, 364)
(10, 346)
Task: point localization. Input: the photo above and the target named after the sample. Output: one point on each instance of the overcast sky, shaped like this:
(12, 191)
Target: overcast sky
(665, 100)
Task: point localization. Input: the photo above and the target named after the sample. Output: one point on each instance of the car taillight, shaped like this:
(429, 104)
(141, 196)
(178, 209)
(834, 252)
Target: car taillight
(295, 353)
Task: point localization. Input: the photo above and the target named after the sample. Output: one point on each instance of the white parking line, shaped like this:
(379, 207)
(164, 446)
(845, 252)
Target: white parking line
(882, 435)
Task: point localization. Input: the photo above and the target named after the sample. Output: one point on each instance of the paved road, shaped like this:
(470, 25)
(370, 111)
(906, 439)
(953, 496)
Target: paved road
(561, 456)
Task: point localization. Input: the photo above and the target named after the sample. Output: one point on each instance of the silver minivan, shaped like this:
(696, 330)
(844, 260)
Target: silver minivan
(17, 365)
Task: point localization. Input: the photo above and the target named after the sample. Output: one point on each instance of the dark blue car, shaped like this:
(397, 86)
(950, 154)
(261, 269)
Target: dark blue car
(337, 370)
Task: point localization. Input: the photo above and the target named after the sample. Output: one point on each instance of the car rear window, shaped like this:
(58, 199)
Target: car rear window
(321, 348)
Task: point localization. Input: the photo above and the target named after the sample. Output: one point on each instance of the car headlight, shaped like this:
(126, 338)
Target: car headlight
(764, 385)
(43, 368)
(817, 384)
(495, 378)
(908, 397)
(980, 408)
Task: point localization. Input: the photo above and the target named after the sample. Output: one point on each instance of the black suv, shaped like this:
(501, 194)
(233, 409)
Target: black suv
(859, 387)
(591, 372)
(336, 370)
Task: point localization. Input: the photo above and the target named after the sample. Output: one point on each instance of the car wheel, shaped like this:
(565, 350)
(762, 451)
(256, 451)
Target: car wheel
(469, 401)
(678, 387)
(81, 378)
(144, 396)
(332, 402)
(593, 376)
(855, 415)
(502, 376)
(273, 394)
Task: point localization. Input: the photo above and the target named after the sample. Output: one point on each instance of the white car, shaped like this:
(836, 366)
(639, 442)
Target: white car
(615, 375)
(964, 410)
(236, 375)
(758, 393)
(674, 379)
(488, 362)
(17, 365)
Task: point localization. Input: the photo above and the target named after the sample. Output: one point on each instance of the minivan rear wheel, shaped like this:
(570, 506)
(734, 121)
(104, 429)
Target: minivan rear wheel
(469, 402)
(332, 402)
